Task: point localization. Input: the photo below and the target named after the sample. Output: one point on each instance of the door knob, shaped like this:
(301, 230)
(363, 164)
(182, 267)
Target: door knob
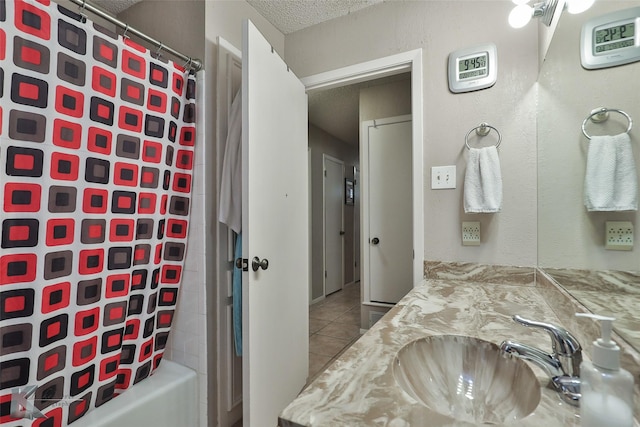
(242, 264)
(342, 233)
(375, 240)
(256, 263)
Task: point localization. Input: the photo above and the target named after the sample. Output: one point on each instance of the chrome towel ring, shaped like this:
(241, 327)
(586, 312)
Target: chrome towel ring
(482, 129)
(602, 114)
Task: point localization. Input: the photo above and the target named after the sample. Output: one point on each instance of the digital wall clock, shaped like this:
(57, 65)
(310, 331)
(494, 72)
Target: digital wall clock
(610, 40)
(473, 68)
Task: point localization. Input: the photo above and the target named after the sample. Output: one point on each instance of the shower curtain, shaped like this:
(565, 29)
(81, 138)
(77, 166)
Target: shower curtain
(96, 154)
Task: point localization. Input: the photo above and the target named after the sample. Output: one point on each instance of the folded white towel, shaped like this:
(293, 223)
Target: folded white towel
(611, 180)
(483, 181)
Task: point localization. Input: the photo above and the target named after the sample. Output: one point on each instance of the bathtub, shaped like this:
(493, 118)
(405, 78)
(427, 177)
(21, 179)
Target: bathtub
(168, 398)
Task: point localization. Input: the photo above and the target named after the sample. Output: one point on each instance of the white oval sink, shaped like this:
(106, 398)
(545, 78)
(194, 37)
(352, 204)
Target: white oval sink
(467, 379)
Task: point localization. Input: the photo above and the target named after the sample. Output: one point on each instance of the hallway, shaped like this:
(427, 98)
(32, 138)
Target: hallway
(334, 325)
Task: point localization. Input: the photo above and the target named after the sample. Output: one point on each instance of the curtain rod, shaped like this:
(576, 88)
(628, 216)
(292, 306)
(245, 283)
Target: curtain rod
(191, 63)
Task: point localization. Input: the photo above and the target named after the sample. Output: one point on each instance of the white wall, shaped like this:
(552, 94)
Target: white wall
(439, 27)
(323, 143)
(569, 236)
(385, 100)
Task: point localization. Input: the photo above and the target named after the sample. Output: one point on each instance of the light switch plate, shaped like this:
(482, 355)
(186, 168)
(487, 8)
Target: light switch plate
(443, 177)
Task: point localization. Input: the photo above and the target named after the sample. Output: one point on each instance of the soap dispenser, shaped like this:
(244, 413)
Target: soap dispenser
(607, 390)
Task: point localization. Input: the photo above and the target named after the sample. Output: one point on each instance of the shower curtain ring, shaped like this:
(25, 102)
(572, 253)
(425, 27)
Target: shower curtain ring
(83, 6)
(187, 65)
(124, 34)
(158, 51)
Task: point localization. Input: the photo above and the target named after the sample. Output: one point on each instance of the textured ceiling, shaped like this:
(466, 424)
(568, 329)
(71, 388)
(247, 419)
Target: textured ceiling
(114, 6)
(293, 15)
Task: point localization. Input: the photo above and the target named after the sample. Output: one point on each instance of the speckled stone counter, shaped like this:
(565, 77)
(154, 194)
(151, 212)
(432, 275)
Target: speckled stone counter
(606, 292)
(359, 388)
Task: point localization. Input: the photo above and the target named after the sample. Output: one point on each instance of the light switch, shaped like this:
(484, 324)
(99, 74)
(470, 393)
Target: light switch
(443, 177)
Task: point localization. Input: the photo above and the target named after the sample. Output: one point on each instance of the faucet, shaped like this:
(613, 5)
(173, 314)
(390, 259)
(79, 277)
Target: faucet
(562, 365)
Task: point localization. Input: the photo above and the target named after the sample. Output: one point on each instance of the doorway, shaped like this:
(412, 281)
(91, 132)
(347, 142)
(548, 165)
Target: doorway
(409, 62)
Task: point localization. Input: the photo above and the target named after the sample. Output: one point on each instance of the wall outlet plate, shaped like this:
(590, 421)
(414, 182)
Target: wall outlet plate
(471, 233)
(618, 235)
(443, 177)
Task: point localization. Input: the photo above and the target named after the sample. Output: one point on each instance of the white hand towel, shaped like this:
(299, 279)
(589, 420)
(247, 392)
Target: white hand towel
(483, 181)
(611, 180)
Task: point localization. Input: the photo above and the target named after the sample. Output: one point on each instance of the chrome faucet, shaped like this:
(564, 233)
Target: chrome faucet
(562, 365)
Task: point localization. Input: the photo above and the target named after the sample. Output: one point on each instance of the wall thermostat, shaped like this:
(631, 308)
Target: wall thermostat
(611, 39)
(473, 68)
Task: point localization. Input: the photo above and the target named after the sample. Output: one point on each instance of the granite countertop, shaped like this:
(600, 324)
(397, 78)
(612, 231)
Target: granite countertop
(359, 388)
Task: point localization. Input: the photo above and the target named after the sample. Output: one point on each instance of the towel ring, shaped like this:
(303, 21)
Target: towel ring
(600, 115)
(482, 129)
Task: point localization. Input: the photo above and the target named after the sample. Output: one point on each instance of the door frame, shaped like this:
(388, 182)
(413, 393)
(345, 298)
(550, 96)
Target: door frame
(410, 61)
(326, 157)
(229, 366)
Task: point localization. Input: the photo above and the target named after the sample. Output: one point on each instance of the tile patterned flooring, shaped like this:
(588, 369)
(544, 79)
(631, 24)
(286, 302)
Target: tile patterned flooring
(334, 324)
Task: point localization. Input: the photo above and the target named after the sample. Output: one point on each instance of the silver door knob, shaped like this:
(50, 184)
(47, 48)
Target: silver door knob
(256, 263)
(375, 240)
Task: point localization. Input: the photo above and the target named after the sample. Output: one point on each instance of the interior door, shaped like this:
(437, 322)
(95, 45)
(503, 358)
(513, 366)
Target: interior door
(390, 210)
(333, 224)
(275, 227)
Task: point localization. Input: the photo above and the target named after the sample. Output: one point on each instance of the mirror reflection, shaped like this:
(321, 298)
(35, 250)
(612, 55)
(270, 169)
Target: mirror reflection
(571, 239)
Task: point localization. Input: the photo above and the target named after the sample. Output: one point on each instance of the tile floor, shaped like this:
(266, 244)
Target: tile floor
(334, 324)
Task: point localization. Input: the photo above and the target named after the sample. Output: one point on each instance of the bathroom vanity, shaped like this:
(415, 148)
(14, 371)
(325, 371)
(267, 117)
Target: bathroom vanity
(359, 389)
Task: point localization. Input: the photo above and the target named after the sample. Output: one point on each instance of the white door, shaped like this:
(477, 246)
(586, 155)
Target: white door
(275, 224)
(390, 236)
(333, 224)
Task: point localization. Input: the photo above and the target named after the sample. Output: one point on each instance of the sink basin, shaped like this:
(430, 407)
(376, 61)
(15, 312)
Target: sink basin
(467, 379)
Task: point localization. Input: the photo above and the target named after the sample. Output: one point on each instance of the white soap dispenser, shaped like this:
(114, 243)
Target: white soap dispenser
(607, 390)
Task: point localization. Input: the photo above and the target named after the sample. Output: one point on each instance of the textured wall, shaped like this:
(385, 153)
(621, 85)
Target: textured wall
(182, 25)
(440, 27)
(569, 236)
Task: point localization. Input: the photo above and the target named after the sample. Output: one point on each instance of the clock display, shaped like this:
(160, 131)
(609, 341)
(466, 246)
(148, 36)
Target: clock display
(611, 39)
(474, 66)
(614, 37)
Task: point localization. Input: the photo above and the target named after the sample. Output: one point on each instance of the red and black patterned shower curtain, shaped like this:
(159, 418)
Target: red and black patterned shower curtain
(96, 150)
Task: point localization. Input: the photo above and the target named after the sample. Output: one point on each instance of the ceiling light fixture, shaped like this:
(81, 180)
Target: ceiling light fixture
(579, 6)
(522, 13)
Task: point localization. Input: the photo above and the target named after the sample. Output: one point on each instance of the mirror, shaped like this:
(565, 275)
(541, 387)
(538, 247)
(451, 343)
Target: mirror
(570, 239)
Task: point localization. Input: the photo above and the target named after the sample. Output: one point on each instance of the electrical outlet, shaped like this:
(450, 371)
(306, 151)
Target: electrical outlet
(471, 233)
(619, 235)
(443, 177)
